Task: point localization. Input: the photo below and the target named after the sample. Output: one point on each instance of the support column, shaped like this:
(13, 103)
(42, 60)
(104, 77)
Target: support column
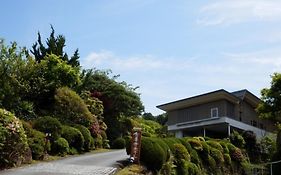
(179, 134)
(228, 130)
(204, 132)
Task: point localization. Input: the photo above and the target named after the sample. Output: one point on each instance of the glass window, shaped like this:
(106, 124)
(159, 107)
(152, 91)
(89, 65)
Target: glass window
(214, 112)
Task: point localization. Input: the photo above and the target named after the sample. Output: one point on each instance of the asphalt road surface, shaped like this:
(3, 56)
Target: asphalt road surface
(89, 164)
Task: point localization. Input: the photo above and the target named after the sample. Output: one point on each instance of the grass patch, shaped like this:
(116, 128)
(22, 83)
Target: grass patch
(133, 170)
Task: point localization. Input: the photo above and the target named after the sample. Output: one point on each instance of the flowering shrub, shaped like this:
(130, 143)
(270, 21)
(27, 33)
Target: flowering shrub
(13, 141)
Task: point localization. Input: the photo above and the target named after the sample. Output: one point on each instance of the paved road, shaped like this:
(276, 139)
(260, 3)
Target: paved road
(89, 164)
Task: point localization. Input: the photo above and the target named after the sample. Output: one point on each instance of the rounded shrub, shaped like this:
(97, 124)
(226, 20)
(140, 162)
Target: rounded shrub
(224, 146)
(194, 158)
(152, 155)
(71, 109)
(171, 142)
(50, 125)
(181, 153)
(119, 143)
(13, 141)
(195, 144)
(164, 146)
(98, 142)
(87, 136)
(74, 137)
(215, 145)
(217, 155)
(37, 143)
(60, 147)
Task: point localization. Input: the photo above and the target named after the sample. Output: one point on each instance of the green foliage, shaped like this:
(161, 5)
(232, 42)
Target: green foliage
(87, 137)
(268, 148)
(60, 147)
(94, 105)
(195, 144)
(13, 141)
(227, 159)
(98, 142)
(74, 137)
(47, 76)
(215, 144)
(48, 124)
(55, 45)
(171, 143)
(119, 98)
(181, 153)
(37, 143)
(237, 140)
(71, 109)
(152, 155)
(195, 158)
(217, 155)
(252, 147)
(211, 162)
(119, 143)
(224, 146)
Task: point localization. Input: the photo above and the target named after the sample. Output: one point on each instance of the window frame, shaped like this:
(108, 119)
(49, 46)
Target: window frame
(214, 111)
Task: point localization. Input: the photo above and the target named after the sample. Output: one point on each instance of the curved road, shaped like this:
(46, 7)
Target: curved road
(89, 164)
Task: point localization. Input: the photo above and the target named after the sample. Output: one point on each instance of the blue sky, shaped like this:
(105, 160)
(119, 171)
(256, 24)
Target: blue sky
(171, 49)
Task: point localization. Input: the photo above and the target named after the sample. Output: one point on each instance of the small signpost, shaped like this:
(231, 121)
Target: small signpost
(135, 145)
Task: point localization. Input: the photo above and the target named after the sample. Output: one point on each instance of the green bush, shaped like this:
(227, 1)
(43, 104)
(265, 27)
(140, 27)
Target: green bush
(215, 144)
(227, 159)
(98, 142)
(74, 137)
(119, 143)
(191, 169)
(60, 147)
(181, 153)
(71, 109)
(211, 162)
(194, 158)
(37, 144)
(164, 146)
(48, 125)
(237, 140)
(235, 153)
(195, 144)
(224, 146)
(152, 155)
(171, 142)
(217, 155)
(87, 137)
(13, 141)
(186, 144)
(105, 144)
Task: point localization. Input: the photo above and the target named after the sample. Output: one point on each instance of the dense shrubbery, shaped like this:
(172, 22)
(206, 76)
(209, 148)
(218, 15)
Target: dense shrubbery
(37, 143)
(118, 143)
(74, 138)
(191, 156)
(60, 147)
(48, 125)
(152, 154)
(13, 141)
(88, 139)
(71, 108)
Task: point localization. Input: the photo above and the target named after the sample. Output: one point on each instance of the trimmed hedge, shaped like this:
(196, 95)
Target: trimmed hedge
(48, 124)
(88, 140)
(74, 137)
(152, 155)
(37, 144)
(60, 147)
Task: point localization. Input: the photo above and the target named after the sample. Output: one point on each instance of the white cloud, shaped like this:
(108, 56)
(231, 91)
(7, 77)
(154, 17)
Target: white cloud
(166, 79)
(237, 11)
(107, 59)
